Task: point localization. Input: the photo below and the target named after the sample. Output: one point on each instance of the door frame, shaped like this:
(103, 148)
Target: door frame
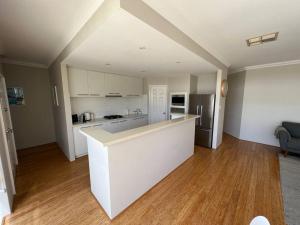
(150, 97)
(7, 174)
(14, 151)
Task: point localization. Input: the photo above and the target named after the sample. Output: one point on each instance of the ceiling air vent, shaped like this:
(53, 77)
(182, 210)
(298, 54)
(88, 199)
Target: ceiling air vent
(262, 39)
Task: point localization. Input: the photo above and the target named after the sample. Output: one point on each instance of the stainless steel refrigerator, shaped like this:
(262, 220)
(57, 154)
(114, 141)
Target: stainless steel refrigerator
(203, 105)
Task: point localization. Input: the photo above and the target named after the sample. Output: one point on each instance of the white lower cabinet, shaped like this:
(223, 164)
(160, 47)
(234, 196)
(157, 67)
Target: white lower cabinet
(114, 126)
(139, 121)
(80, 142)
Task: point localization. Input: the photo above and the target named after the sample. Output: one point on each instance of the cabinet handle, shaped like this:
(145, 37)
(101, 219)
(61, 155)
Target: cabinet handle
(115, 122)
(122, 121)
(82, 94)
(117, 93)
(113, 96)
(133, 95)
(95, 94)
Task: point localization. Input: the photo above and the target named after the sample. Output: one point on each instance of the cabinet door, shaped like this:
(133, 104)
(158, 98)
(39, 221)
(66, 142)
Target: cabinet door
(140, 121)
(123, 125)
(79, 142)
(96, 83)
(134, 86)
(112, 126)
(115, 84)
(78, 83)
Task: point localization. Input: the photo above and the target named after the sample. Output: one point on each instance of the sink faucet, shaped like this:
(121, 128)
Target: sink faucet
(138, 111)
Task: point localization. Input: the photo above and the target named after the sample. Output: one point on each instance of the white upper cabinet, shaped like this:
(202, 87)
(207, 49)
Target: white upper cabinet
(83, 83)
(96, 83)
(115, 85)
(78, 83)
(134, 86)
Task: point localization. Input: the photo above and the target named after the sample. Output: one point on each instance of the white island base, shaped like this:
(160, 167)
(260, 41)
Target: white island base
(123, 166)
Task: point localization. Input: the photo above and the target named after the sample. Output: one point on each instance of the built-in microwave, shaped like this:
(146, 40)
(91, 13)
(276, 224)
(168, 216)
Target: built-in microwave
(178, 100)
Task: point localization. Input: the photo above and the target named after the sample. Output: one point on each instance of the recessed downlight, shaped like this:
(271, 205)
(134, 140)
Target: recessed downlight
(262, 39)
(178, 62)
(107, 64)
(142, 48)
(143, 71)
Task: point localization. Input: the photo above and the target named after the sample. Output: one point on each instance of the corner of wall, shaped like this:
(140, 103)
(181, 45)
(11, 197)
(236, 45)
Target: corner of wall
(219, 111)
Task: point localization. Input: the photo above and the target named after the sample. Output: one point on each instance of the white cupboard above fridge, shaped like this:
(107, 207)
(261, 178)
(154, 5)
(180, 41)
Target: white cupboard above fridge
(84, 83)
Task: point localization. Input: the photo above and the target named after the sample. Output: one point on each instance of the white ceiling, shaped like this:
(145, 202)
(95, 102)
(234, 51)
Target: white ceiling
(117, 42)
(223, 26)
(37, 30)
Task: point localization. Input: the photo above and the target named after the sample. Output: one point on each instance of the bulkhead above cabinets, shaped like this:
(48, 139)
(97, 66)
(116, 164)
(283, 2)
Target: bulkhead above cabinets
(85, 83)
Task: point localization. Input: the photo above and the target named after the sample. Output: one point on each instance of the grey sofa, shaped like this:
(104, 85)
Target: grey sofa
(289, 137)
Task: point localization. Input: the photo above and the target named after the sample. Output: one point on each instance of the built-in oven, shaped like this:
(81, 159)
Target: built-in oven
(178, 100)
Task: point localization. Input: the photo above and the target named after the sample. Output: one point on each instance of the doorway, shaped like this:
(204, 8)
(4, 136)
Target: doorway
(158, 103)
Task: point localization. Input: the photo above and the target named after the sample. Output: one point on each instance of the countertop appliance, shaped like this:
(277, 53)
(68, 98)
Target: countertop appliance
(111, 117)
(204, 106)
(75, 118)
(87, 116)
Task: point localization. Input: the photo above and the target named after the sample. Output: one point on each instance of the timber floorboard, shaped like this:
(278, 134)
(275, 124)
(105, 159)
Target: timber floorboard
(230, 186)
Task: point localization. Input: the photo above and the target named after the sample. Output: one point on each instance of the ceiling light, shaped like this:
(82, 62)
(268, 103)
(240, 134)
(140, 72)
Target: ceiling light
(178, 62)
(143, 71)
(142, 48)
(107, 64)
(262, 39)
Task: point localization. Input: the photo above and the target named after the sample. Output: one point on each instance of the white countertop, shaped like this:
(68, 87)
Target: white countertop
(107, 138)
(103, 120)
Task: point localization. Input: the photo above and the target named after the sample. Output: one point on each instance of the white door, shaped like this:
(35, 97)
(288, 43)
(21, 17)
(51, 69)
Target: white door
(157, 103)
(8, 155)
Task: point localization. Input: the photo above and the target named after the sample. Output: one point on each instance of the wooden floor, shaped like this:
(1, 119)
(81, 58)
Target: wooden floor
(228, 186)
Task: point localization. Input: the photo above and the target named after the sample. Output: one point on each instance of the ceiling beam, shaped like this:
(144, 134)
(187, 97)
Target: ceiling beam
(149, 16)
(102, 14)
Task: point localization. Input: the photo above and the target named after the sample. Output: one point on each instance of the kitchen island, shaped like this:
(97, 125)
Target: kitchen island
(125, 165)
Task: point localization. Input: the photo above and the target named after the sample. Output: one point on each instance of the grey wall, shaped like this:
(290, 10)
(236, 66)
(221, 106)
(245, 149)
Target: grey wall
(33, 122)
(271, 95)
(234, 104)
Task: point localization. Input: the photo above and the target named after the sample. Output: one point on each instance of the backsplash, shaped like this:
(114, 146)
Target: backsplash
(106, 106)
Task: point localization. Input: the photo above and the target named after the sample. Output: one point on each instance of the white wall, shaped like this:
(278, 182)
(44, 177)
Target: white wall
(206, 83)
(58, 76)
(271, 96)
(62, 113)
(219, 111)
(234, 104)
(29, 123)
(106, 106)
(176, 83)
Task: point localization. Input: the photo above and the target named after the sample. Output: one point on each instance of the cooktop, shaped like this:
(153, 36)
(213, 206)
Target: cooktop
(111, 117)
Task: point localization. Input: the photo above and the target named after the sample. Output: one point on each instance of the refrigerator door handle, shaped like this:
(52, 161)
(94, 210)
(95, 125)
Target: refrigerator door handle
(201, 112)
(197, 109)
